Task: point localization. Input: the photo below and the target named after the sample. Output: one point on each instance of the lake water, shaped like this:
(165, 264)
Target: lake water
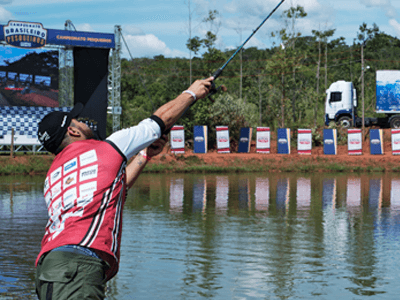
(247, 236)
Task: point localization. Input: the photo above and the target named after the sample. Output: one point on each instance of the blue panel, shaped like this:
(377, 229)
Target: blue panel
(245, 140)
(376, 141)
(283, 140)
(200, 139)
(330, 142)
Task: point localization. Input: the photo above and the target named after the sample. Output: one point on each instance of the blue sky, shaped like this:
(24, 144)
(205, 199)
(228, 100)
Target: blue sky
(160, 27)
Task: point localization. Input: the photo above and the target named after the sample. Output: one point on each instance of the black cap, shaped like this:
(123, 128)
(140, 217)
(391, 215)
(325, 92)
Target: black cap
(54, 126)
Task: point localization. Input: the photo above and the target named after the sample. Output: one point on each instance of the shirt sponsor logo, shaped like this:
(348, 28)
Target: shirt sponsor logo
(69, 198)
(88, 157)
(88, 173)
(46, 185)
(56, 190)
(70, 180)
(55, 176)
(47, 198)
(70, 166)
(87, 189)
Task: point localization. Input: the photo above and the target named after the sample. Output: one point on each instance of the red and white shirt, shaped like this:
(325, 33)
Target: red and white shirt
(85, 191)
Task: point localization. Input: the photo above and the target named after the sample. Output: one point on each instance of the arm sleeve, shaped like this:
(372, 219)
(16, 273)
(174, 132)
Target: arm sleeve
(131, 140)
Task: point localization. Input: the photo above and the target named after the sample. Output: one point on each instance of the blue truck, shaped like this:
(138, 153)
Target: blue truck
(341, 102)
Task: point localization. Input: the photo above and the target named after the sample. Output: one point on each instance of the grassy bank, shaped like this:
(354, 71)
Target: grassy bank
(228, 163)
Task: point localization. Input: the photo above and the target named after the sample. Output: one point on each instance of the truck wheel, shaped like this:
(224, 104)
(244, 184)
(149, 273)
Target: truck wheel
(344, 122)
(395, 122)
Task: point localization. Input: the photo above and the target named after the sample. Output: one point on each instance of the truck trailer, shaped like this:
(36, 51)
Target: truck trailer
(341, 102)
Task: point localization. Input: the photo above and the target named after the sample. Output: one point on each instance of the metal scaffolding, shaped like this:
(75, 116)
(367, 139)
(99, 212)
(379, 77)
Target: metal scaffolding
(114, 81)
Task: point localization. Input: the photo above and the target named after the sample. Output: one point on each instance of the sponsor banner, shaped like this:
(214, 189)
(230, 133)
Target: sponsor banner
(177, 136)
(330, 141)
(200, 139)
(283, 140)
(354, 141)
(376, 141)
(223, 144)
(245, 139)
(263, 140)
(395, 141)
(304, 141)
(32, 35)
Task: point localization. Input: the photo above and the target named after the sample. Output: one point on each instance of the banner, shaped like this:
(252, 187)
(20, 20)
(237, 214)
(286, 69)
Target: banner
(395, 141)
(330, 142)
(304, 141)
(177, 139)
(283, 140)
(90, 86)
(223, 144)
(354, 141)
(376, 141)
(245, 140)
(263, 140)
(31, 35)
(200, 139)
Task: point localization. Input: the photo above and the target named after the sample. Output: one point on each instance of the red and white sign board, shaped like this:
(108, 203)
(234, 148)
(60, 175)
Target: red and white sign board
(177, 135)
(304, 141)
(263, 138)
(223, 145)
(395, 141)
(354, 141)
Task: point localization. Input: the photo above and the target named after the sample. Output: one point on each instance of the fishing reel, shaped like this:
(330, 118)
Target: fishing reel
(215, 90)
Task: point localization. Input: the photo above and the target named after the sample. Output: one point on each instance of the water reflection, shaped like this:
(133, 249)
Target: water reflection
(248, 236)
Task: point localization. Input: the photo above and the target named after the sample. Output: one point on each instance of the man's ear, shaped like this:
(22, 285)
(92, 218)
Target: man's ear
(74, 132)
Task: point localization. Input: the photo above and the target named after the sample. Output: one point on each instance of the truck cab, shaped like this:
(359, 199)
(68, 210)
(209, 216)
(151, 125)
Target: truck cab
(341, 103)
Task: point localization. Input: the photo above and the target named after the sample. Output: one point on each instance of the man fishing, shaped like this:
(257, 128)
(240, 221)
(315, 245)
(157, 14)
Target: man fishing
(85, 191)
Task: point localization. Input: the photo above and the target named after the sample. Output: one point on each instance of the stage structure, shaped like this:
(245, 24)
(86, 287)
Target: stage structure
(44, 70)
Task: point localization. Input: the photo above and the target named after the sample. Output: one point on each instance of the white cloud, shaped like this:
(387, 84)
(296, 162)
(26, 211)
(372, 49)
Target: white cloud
(148, 45)
(84, 27)
(132, 30)
(5, 15)
(385, 5)
(395, 25)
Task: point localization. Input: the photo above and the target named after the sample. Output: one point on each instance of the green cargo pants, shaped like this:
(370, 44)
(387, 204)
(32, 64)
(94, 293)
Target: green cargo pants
(64, 275)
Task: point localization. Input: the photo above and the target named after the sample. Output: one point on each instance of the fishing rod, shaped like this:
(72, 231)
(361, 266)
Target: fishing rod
(219, 71)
